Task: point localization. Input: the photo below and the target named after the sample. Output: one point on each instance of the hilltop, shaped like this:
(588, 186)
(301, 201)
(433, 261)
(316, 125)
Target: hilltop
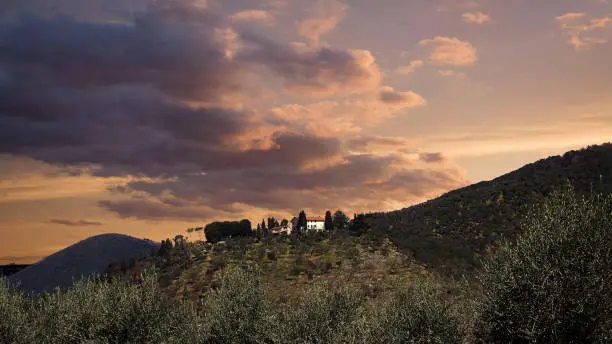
(456, 228)
(82, 259)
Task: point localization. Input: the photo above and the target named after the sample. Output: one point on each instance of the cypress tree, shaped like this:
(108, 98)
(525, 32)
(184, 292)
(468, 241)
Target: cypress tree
(328, 221)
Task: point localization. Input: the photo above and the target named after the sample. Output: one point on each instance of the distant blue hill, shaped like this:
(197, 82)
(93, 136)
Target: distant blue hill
(83, 259)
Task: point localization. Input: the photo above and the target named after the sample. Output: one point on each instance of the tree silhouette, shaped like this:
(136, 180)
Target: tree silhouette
(302, 222)
(272, 222)
(340, 220)
(179, 241)
(329, 222)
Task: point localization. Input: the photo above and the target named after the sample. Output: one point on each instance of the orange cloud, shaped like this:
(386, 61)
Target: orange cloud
(570, 16)
(349, 115)
(450, 51)
(476, 17)
(400, 99)
(451, 73)
(411, 67)
(327, 15)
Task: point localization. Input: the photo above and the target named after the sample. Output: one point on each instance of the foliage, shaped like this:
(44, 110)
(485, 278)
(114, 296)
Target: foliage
(96, 311)
(555, 284)
(329, 225)
(217, 231)
(340, 220)
(301, 222)
(415, 313)
(272, 222)
(235, 312)
(164, 249)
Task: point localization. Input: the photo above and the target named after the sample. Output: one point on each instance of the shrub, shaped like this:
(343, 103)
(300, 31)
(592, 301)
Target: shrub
(321, 316)
(234, 313)
(97, 311)
(15, 324)
(555, 284)
(418, 312)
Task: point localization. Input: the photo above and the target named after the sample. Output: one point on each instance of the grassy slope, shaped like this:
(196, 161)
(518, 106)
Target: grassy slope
(288, 265)
(454, 229)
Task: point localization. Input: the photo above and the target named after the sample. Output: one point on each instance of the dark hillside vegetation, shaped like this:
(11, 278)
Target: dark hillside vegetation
(455, 229)
(7, 270)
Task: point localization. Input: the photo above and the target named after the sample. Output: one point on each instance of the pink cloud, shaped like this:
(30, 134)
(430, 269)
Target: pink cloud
(254, 15)
(581, 32)
(476, 17)
(451, 51)
(400, 99)
(411, 67)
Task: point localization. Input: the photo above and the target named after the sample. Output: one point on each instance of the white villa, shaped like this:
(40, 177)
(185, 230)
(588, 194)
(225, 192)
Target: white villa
(313, 223)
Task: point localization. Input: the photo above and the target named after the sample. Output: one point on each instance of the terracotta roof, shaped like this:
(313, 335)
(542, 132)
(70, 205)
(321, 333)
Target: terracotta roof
(315, 218)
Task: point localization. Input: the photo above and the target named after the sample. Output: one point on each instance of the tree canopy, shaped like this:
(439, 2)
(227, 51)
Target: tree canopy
(329, 222)
(302, 222)
(340, 220)
(217, 231)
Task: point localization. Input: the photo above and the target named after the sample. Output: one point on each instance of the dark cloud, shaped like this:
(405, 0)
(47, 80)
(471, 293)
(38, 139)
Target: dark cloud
(90, 10)
(151, 210)
(318, 71)
(149, 97)
(170, 48)
(361, 182)
(121, 129)
(365, 143)
(71, 223)
(432, 157)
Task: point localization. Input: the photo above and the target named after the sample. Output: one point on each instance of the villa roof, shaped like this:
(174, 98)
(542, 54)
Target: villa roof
(315, 218)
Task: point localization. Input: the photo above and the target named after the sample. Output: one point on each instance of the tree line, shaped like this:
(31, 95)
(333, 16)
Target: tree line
(221, 230)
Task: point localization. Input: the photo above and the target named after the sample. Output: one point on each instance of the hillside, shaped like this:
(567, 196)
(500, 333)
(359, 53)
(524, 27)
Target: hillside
(456, 228)
(7, 270)
(288, 264)
(87, 257)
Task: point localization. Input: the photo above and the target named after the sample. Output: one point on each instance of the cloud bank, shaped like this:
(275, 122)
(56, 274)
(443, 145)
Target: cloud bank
(163, 99)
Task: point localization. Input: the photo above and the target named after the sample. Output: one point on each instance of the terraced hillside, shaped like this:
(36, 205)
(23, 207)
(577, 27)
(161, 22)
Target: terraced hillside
(288, 264)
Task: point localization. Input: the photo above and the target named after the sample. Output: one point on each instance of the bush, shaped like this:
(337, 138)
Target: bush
(321, 316)
(97, 311)
(235, 312)
(15, 324)
(414, 313)
(555, 284)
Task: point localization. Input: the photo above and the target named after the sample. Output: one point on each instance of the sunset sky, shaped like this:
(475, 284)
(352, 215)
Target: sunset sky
(148, 117)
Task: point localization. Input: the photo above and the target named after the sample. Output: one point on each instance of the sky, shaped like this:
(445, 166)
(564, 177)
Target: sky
(148, 117)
